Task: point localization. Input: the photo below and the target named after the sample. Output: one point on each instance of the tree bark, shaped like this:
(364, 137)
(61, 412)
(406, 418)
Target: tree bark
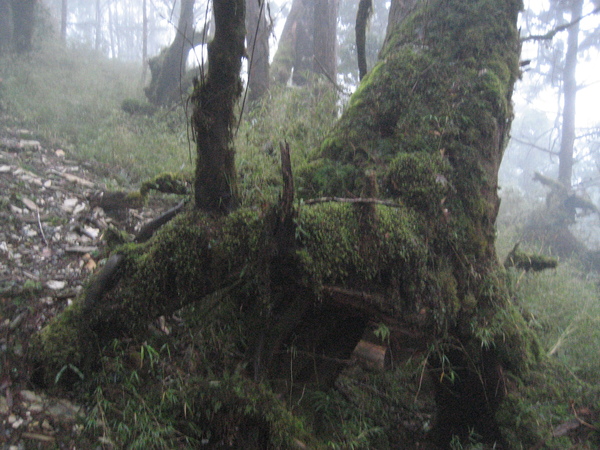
(6, 25)
(257, 43)
(303, 49)
(324, 41)
(308, 42)
(111, 32)
(167, 70)
(24, 21)
(283, 61)
(64, 9)
(569, 91)
(144, 41)
(214, 102)
(399, 10)
(98, 26)
(365, 8)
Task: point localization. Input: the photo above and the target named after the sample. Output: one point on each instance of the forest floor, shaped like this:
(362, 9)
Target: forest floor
(51, 240)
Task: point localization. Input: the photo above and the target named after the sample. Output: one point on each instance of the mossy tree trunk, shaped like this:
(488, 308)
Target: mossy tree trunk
(399, 10)
(430, 123)
(214, 101)
(417, 151)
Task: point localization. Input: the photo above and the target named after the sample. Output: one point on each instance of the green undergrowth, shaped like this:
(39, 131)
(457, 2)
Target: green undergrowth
(176, 394)
(190, 389)
(299, 116)
(564, 309)
(71, 98)
(562, 304)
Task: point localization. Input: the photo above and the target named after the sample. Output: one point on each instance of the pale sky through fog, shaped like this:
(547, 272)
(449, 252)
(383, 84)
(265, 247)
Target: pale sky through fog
(588, 74)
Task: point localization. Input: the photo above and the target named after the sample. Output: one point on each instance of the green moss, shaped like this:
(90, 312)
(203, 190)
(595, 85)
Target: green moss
(528, 261)
(168, 183)
(545, 398)
(419, 179)
(240, 413)
(195, 254)
(449, 293)
(340, 246)
(324, 176)
(58, 344)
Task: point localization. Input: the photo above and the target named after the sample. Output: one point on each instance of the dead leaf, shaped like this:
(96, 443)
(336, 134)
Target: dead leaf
(90, 265)
(56, 285)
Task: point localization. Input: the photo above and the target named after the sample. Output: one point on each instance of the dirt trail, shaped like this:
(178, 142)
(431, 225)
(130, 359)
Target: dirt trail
(51, 240)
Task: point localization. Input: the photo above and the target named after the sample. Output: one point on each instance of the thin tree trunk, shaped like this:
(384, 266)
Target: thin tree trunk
(365, 7)
(111, 30)
(565, 166)
(64, 7)
(214, 104)
(144, 41)
(115, 33)
(98, 26)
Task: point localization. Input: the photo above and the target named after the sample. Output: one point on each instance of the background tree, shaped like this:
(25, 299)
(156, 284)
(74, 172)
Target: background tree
(168, 69)
(144, 41)
(257, 44)
(17, 20)
(6, 24)
(347, 46)
(557, 65)
(325, 38)
(64, 9)
(307, 43)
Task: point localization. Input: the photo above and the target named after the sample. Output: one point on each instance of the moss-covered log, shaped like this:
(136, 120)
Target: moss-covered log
(527, 261)
(425, 131)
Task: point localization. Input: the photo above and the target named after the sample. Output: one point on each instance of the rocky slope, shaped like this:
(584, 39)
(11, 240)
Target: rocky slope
(53, 232)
